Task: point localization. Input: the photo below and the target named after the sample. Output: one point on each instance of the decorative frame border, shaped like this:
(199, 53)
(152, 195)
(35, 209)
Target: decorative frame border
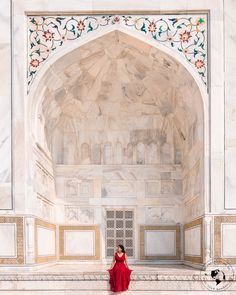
(176, 228)
(19, 222)
(47, 225)
(218, 220)
(192, 224)
(185, 33)
(62, 230)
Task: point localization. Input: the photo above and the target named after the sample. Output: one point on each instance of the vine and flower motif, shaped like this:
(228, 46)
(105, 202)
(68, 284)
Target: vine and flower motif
(186, 34)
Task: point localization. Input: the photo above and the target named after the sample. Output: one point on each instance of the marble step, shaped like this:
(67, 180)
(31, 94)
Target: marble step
(90, 282)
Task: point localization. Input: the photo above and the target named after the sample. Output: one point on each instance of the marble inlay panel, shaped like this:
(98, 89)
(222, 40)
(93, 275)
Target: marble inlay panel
(18, 224)
(159, 243)
(185, 34)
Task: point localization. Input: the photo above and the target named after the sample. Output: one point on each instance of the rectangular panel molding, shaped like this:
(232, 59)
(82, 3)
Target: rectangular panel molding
(160, 242)
(193, 241)
(79, 242)
(224, 244)
(8, 240)
(74, 239)
(45, 251)
(228, 245)
(11, 240)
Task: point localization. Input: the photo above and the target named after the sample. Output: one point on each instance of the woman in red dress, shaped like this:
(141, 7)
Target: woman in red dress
(119, 271)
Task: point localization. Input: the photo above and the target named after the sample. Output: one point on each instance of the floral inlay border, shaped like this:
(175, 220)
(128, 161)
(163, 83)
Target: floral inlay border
(19, 239)
(186, 34)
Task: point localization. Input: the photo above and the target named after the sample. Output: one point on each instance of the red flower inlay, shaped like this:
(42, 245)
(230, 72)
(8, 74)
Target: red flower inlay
(199, 63)
(152, 27)
(185, 36)
(48, 35)
(116, 19)
(34, 63)
(81, 25)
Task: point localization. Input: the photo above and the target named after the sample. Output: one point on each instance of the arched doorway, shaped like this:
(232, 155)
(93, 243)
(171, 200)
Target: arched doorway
(122, 126)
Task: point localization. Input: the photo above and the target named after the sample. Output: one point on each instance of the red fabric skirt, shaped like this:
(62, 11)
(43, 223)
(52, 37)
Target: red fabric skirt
(119, 277)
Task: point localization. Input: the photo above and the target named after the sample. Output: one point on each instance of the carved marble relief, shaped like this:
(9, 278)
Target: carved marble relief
(191, 182)
(76, 189)
(156, 215)
(71, 188)
(140, 153)
(43, 182)
(118, 154)
(47, 210)
(85, 153)
(152, 189)
(80, 215)
(108, 153)
(119, 189)
(86, 189)
(96, 154)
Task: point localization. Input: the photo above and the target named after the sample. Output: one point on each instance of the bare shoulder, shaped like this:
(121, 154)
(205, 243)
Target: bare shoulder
(126, 255)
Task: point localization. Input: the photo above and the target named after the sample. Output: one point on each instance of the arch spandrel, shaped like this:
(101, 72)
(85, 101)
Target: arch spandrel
(185, 35)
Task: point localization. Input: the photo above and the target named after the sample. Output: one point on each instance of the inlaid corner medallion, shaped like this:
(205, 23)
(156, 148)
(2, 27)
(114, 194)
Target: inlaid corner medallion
(185, 34)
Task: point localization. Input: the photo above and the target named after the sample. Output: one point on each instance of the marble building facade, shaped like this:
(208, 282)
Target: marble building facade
(117, 127)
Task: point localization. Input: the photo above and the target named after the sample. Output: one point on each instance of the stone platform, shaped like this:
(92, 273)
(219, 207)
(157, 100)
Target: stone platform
(93, 279)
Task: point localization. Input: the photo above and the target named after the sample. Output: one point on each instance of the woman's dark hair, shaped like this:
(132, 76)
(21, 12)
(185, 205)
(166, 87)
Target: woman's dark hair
(122, 248)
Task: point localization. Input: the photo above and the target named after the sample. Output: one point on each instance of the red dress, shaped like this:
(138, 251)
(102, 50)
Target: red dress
(119, 275)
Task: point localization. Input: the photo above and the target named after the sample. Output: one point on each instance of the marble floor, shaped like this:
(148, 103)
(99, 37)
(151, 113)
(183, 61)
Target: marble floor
(70, 268)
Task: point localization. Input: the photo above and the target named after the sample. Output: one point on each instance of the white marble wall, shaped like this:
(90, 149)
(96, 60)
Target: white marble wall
(121, 185)
(230, 104)
(8, 240)
(43, 189)
(79, 243)
(5, 103)
(192, 241)
(160, 243)
(193, 181)
(79, 214)
(228, 243)
(46, 241)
